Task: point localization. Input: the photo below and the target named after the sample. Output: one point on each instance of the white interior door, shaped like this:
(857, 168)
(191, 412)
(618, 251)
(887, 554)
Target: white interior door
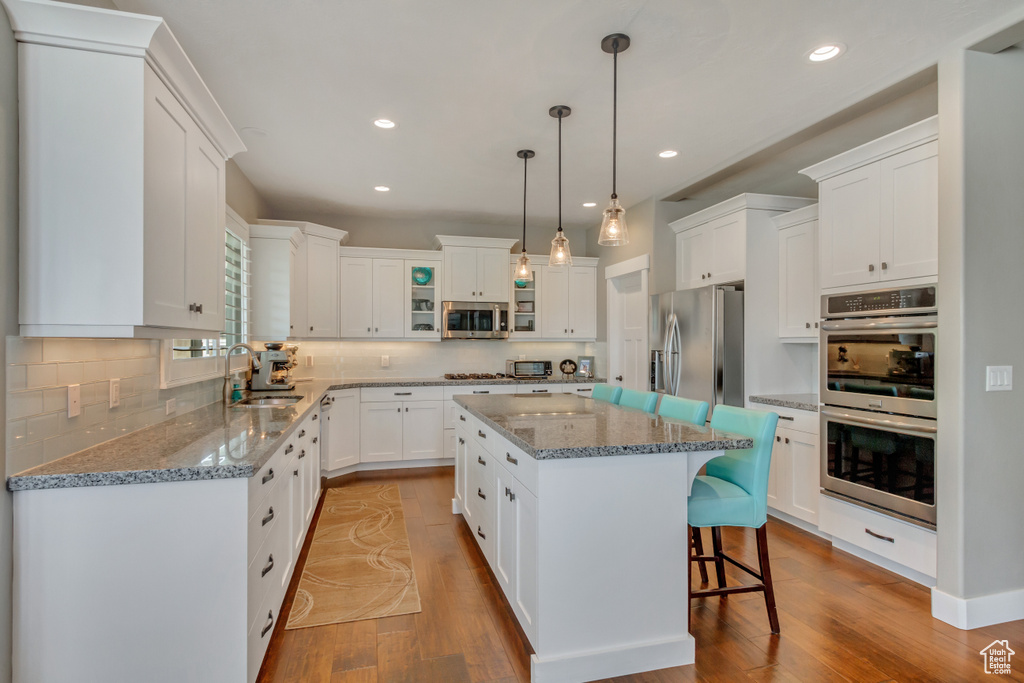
(627, 331)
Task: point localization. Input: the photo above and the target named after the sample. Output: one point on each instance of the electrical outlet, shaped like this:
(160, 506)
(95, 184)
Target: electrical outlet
(522, 356)
(171, 405)
(309, 361)
(115, 392)
(999, 378)
(385, 361)
(74, 400)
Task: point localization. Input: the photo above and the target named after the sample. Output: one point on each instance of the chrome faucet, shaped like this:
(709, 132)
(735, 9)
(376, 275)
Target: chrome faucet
(256, 365)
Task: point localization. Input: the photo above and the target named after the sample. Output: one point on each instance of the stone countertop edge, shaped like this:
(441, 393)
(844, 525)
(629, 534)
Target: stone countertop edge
(604, 451)
(808, 402)
(25, 481)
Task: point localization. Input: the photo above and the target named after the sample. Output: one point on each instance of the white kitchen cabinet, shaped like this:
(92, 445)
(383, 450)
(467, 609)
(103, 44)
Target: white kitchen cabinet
(461, 437)
(711, 245)
(475, 268)
(554, 296)
(515, 546)
(582, 303)
(380, 431)
(422, 301)
(422, 430)
(340, 430)
(526, 307)
(568, 297)
(798, 274)
(321, 271)
(388, 297)
(379, 298)
(297, 311)
(879, 209)
(122, 221)
(401, 423)
(794, 477)
(356, 298)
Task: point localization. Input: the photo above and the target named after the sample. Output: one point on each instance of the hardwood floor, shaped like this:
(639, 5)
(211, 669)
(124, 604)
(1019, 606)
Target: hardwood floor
(842, 619)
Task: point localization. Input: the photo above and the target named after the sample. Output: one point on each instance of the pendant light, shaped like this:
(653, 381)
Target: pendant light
(613, 227)
(524, 273)
(560, 255)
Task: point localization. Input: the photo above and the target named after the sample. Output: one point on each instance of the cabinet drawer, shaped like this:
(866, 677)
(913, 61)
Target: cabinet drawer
(271, 510)
(265, 568)
(480, 479)
(399, 393)
(800, 420)
(260, 631)
(539, 389)
(478, 390)
(906, 544)
(578, 389)
(517, 463)
(484, 435)
(261, 483)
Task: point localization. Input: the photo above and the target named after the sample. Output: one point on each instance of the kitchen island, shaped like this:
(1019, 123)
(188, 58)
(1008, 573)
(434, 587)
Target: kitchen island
(579, 508)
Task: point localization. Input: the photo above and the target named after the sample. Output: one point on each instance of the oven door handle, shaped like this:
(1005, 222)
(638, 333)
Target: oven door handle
(929, 323)
(876, 422)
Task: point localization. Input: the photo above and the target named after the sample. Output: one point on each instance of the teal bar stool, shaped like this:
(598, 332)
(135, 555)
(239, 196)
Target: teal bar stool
(734, 492)
(684, 409)
(606, 393)
(641, 400)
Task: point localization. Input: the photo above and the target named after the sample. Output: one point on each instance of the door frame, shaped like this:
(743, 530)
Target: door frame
(639, 264)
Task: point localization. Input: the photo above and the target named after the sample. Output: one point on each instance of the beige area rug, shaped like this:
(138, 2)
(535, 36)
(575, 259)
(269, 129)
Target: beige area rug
(359, 565)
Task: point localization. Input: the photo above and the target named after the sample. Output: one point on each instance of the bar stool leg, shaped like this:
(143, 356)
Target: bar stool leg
(766, 574)
(716, 543)
(698, 545)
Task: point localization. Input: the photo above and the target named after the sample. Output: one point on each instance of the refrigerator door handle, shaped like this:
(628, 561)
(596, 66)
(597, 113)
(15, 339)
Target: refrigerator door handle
(670, 329)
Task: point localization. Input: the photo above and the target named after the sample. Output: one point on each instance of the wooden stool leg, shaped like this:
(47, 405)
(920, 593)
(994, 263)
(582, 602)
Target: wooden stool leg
(766, 572)
(689, 568)
(698, 545)
(716, 543)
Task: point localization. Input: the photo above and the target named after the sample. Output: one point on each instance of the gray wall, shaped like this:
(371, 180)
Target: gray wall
(9, 299)
(242, 195)
(981, 242)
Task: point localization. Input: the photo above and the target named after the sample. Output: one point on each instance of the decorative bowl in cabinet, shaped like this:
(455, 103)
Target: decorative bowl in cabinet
(521, 284)
(422, 276)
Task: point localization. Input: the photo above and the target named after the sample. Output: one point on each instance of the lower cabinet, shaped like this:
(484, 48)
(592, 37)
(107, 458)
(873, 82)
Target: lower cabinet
(401, 423)
(340, 431)
(794, 477)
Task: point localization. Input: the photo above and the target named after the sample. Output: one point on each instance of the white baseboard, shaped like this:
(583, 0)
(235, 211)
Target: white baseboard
(390, 465)
(884, 563)
(985, 610)
(456, 507)
(798, 523)
(589, 666)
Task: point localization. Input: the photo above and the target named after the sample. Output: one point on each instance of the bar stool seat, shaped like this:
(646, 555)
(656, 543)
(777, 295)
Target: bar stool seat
(717, 502)
(641, 400)
(606, 393)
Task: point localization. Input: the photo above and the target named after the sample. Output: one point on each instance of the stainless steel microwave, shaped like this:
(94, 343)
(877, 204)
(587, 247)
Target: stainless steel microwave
(474, 320)
(528, 368)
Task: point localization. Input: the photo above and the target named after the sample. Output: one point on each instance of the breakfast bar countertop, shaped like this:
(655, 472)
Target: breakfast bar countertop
(559, 426)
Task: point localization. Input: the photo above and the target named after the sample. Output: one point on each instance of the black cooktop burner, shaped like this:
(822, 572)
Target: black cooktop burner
(474, 375)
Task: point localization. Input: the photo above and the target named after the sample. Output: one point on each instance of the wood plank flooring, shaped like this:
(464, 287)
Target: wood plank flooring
(842, 619)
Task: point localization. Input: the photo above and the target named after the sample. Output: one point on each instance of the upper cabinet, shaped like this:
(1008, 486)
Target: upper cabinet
(476, 268)
(390, 294)
(294, 280)
(879, 209)
(122, 210)
(711, 245)
(798, 274)
(560, 302)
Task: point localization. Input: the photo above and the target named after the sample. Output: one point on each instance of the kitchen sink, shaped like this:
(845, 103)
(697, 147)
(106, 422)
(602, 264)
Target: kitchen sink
(268, 401)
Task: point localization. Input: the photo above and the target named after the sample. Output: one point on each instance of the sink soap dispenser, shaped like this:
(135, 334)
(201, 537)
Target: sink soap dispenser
(236, 395)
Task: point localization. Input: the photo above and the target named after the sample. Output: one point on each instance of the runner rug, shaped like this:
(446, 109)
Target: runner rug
(359, 565)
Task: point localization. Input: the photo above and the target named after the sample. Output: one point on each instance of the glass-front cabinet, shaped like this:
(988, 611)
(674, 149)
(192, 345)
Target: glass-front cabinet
(423, 300)
(525, 305)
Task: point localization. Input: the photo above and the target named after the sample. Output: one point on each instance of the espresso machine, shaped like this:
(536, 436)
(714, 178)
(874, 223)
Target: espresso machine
(275, 373)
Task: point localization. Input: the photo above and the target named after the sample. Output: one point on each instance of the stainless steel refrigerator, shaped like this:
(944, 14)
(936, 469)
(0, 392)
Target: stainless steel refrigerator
(697, 344)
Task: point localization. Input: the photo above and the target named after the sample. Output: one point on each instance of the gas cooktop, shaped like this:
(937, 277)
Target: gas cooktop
(474, 375)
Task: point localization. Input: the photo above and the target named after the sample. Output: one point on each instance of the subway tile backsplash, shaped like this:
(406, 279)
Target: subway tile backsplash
(39, 372)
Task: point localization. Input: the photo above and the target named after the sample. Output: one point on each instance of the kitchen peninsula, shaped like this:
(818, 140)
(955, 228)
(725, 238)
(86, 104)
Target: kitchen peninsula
(579, 508)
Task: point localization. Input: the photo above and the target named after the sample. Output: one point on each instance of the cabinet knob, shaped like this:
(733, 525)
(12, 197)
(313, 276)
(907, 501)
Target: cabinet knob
(376, 329)
(787, 439)
(199, 308)
(871, 267)
(709, 276)
(885, 266)
(815, 325)
(779, 439)
(367, 329)
(702, 276)
(191, 308)
(807, 325)
(572, 331)
(310, 328)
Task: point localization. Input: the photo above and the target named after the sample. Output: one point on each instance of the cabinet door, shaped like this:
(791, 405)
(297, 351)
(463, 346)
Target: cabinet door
(460, 274)
(422, 303)
(798, 287)
(204, 235)
(526, 583)
(728, 257)
(492, 275)
(505, 531)
(165, 215)
(297, 483)
(310, 485)
(321, 287)
(804, 471)
(849, 228)
(422, 426)
(380, 431)
(555, 303)
(356, 297)
(694, 251)
(909, 230)
(388, 297)
(461, 450)
(298, 313)
(583, 303)
(525, 307)
(777, 472)
(342, 427)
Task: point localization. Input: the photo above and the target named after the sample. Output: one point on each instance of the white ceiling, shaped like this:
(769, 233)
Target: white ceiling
(469, 82)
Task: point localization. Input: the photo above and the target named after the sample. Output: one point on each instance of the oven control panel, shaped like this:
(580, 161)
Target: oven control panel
(879, 302)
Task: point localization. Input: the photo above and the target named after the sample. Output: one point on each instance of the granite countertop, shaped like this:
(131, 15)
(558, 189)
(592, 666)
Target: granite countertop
(558, 426)
(807, 402)
(212, 442)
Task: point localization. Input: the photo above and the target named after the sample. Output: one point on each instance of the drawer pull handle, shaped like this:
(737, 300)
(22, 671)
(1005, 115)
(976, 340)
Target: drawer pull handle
(268, 476)
(480, 533)
(583, 390)
(302, 433)
(511, 495)
(481, 434)
(316, 417)
(461, 440)
(480, 493)
(288, 449)
(539, 391)
(403, 393)
(481, 392)
(315, 439)
(270, 624)
(887, 539)
(269, 517)
(295, 473)
(786, 417)
(270, 565)
(481, 461)
(462, 418)
(514, 461)
(302, 454)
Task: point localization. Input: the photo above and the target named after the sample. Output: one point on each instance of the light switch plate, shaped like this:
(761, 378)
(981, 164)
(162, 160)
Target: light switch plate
(309, 361)
(385, 361)
(74, 400)
(999, 378)
(115, 392)
(171, 405)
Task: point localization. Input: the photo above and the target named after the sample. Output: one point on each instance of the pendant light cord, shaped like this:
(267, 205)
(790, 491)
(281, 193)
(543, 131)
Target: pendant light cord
(615, 112)
(525, 159)
(560, 172)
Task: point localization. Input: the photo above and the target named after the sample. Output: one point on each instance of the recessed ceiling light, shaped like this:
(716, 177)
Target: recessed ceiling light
(668, 154)
(826, 52)
(589, 205)
(384, 123)
(382, 188)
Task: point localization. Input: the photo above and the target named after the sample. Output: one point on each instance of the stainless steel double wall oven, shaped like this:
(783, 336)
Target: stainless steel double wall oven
(878, 388)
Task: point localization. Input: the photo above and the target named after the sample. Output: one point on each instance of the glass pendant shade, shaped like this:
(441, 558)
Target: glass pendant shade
(524, 273)
(560, 255)
(613, 227)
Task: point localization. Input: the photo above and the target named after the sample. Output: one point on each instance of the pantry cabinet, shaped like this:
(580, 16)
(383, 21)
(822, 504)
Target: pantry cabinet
(126, 204)
(879, 209)
(798, 274)
(475, 268)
